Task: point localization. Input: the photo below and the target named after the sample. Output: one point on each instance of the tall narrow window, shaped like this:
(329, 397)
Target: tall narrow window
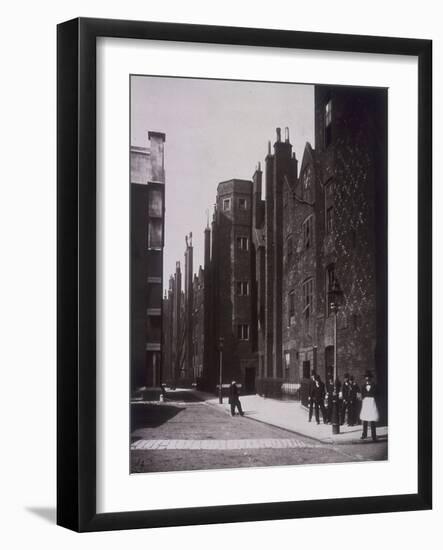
(330, 278)
(329, 220)
(289, 247)
(308, 232)
(291, 308)
(155, 203)
(242, 204)
(308, 287)
(242, 288)
(155, 233)
(307, 184)
(243, 332)
(328, 122)
(306, 369)
(226, 204)
(329, 207)
(242, 243)
(153, 330)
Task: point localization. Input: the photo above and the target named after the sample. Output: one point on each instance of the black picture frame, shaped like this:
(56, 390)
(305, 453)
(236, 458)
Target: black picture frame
(76, 273)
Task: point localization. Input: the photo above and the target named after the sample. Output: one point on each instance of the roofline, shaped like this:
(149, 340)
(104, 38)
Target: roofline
(233, 180)
(138, 149)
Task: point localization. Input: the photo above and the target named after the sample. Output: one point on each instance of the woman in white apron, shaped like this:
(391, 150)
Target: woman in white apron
(369, 411)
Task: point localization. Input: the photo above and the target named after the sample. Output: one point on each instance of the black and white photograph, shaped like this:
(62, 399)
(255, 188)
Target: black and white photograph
(222, 309)
(258, 274)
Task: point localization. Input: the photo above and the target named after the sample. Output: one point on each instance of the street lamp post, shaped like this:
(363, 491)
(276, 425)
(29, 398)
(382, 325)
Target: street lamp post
(335, 298)
(220, 389)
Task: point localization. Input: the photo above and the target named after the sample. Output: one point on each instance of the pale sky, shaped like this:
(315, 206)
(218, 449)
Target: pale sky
(215, 130)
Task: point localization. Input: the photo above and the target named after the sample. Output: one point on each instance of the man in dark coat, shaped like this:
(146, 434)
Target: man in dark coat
(311, 395)
(345, 392)
(234, 400)
(332, 395)
(329, 389)
(318, 397)
(354, 390)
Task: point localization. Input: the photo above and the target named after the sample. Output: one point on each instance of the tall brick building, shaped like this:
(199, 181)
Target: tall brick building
(231, 264)
(333, 228)
(146, 273)
(269, 267)
(198, 329)
(272, 255)
(220, 303)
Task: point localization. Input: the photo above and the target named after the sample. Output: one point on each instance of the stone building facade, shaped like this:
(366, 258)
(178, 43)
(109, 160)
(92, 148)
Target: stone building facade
(147, 194)
(222, 296)
(270, 271)
(334, 229)
(173, 328)
(188, 322)
(231, 263)
(198, 330)
(272, 255)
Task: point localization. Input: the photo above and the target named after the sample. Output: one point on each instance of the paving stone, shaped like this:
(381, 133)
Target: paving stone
(219, 445)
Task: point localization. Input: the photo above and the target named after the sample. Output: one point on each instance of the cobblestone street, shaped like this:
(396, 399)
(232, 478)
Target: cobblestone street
(184, 433)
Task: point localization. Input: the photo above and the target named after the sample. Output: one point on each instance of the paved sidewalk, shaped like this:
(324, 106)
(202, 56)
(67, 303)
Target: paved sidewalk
(292, 416)
(219, 444)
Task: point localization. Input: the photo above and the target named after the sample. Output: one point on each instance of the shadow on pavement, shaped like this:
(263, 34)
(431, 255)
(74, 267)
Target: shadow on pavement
(182, 395)
(369, 440)
(152, 416)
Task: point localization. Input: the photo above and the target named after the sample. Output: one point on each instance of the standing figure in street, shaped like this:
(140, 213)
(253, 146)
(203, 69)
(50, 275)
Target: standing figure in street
(234, 400)
(354, 391)
(369, 411)
(328, 398)
(345, 396)
(318, 397)
(332, 396)
(311, 395)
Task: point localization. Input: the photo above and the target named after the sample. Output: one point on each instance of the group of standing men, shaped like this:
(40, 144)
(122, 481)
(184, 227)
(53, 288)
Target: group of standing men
(352, 402)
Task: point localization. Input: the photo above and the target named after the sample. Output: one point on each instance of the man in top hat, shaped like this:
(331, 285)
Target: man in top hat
(369, 411)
